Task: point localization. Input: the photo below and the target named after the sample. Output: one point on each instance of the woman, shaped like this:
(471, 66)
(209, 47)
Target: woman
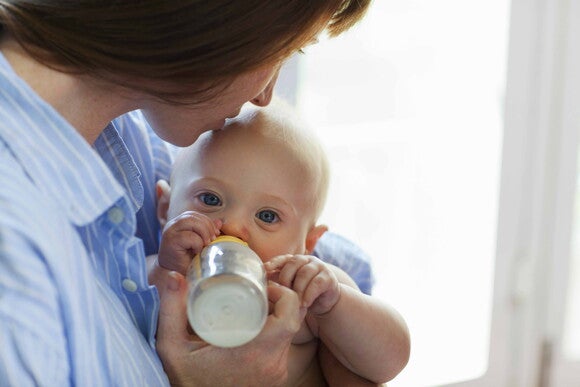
(76, 306)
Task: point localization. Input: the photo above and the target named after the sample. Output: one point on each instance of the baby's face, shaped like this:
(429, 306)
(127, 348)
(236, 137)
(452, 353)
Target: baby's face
(257, 189)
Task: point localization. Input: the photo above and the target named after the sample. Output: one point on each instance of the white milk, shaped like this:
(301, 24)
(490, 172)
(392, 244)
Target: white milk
(226, 310)
(227, 303)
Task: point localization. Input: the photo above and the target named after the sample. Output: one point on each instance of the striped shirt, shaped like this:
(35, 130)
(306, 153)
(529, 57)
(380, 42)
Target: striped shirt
(75, 305)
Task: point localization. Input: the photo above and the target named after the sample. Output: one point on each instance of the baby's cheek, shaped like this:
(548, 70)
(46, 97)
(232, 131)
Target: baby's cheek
(267, 250)
(270, 247)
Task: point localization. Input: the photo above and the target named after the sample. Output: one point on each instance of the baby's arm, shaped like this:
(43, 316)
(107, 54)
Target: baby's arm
(366, 336)
(336, 374)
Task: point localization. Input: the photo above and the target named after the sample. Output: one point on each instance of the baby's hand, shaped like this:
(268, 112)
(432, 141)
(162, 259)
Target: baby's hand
(183, 237)
(313, 280)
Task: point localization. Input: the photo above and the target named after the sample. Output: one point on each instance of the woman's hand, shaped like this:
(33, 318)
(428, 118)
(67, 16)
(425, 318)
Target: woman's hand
(188, 360)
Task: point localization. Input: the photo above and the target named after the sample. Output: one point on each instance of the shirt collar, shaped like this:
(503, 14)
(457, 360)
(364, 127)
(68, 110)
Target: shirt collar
(58, 159)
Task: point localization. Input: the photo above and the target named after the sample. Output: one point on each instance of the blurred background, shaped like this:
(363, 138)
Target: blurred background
(451, 128)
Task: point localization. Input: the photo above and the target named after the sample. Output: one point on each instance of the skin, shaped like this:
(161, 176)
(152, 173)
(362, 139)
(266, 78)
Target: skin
(242, 183)
(89, 106)
(173, 123)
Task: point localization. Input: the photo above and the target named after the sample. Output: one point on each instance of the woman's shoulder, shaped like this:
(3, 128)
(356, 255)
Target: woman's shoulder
(24, 207)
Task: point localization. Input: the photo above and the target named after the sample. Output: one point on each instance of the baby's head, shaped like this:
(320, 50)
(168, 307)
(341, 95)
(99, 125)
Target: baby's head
(264, 175)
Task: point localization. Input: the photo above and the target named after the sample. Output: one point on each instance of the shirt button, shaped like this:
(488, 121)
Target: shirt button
(129, 285)
(116, 215)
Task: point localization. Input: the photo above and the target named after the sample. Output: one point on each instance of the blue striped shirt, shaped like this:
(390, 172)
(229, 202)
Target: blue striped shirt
(75, 305)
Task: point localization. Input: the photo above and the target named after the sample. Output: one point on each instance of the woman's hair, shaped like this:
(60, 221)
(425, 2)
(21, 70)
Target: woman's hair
(171, 49)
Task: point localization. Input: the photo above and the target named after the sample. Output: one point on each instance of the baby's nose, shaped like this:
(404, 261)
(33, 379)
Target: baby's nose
(235, 228)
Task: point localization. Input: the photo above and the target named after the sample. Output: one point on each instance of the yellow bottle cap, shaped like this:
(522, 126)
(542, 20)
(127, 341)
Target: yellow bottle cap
(228, 238)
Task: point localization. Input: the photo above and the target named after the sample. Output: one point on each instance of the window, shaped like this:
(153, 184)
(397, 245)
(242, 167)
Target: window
(461, 183)
(410, 108)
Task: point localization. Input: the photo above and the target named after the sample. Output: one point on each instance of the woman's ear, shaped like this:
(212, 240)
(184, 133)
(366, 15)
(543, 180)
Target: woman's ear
(313, 236)
(163, 191)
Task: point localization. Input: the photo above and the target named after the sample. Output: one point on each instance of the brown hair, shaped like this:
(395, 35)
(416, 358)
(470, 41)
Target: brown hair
(186, 47)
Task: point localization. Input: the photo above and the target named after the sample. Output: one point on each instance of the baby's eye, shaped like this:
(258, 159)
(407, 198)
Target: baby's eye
(268, 216)
(210, 199)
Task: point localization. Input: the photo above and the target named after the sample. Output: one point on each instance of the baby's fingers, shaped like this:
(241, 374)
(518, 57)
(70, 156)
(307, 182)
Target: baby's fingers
(312, 279)
(287, 266)
(321, 293)
(276, 263)
(197, 223)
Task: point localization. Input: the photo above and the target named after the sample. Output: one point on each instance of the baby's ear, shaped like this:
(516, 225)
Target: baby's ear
(163, 191)
(313, 236)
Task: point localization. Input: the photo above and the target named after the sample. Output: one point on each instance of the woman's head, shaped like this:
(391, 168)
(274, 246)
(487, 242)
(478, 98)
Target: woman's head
(178, 50)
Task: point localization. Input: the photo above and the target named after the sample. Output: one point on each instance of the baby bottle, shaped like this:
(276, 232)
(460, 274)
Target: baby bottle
(227, 303)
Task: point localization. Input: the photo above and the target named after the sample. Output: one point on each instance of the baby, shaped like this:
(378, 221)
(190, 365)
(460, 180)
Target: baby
(263, 178)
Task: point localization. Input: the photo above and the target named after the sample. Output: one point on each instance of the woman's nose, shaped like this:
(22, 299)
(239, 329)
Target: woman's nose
(264, 98)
